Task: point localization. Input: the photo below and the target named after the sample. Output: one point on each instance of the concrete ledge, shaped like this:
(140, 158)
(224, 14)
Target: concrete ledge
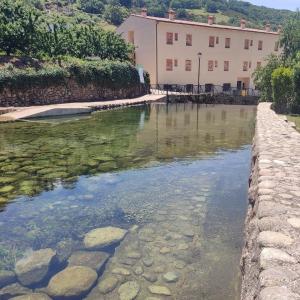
(271, 255)
(73, 108)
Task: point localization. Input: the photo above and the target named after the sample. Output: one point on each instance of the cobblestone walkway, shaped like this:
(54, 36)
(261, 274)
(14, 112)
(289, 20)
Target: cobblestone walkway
(271, 257)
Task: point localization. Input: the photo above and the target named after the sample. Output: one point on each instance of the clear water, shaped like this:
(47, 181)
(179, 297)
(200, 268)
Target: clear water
(178, 172)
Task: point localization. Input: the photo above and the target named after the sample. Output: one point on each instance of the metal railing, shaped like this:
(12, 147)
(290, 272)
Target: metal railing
(207, 89)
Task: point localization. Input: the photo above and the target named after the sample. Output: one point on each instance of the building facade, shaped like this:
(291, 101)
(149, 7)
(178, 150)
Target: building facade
(170, 50)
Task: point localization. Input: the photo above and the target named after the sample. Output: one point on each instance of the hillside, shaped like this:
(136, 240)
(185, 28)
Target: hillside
(110, 13)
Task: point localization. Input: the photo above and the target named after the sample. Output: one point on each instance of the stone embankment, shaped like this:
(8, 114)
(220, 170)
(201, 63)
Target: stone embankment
(271, 257)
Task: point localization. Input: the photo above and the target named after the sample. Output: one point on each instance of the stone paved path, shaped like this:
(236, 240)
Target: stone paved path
(271, 257)
(73, 108)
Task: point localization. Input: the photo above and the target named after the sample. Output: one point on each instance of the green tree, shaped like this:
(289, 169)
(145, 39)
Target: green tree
(283, 89)
(115, 14)
(92, 6)
(290, 39)
(263, 77)
(18, 27)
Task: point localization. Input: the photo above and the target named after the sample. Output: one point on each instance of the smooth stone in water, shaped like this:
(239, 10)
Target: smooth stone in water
(150, 277)
(7, 277)
(34, 268)
(129, 290)
(13, 290)
(102, 237)
(164, 250)
(138, 270)
(171, 277)
(159, 290)
(134, 255)
(108, 284)
(33, 296)
(72, 282)
(147, 261)
(91, 259)
(121, 271)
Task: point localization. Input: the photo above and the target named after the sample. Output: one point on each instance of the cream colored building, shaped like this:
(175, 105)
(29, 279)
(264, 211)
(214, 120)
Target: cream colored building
(168, 49)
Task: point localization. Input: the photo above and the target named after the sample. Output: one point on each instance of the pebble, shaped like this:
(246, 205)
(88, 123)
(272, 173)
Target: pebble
(164, 250)
(129, 290)
(138, 270)
(171, 277)
(108, 284)
(147, 261)
(121, 271)
(150, 277)
(159, 290)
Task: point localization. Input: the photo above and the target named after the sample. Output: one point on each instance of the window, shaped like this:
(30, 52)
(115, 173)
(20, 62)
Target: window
(176, 36)
(188, 65)
(169, 38)
(211, 41)
(251, 43)
(260, 45)
(169, 64)
(217, 40)
(258, 64)
(250, 64)
(276, 46)
(175, 63)
(216, 63)
(226, 65)
(245, 66)
(227, 43)
(188, 40)
(246, 44)
(210, 65)
(131, 37)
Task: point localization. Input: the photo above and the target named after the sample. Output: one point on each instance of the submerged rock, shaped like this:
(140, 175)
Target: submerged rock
(7, 277)
(108, 284)
(13, 290)
(91, 259)
(72, 282)
(171, 277)
(121, 271)
(35, 267)
(159, 290)
(33, 296)
(129, 290)
(102, 237)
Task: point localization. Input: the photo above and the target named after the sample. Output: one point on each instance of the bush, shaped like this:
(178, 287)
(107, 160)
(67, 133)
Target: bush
(283, 90)
(296, 82)
(105, 74)
(115, 14)
(92, 6)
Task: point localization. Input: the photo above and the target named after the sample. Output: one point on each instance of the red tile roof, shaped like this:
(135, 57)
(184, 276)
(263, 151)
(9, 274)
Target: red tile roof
(183, 22)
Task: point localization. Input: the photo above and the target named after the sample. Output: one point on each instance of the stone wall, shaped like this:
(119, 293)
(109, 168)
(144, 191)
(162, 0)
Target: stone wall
(69, 91)
(271, 255)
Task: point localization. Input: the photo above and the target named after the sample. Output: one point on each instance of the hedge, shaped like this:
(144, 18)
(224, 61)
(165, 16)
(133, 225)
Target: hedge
(109, 74)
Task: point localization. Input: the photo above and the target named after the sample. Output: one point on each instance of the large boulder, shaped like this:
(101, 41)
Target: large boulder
(102, 237)
(91, 259)
(35, 267)
(72, 282)
(33, 296)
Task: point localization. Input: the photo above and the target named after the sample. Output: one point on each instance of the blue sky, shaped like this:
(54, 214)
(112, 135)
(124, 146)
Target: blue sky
(285, 4)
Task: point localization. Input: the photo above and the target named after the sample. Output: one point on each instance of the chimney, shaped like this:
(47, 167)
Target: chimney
(243, 23)
(279, 29)
(268, 27)
(144, 12)
(171, 14)
(211, 20)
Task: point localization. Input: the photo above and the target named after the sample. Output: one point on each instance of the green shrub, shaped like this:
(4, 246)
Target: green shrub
(283, 90)
(105, 74)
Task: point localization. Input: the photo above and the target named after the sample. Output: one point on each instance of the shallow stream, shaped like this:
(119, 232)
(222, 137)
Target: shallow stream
(175, 176)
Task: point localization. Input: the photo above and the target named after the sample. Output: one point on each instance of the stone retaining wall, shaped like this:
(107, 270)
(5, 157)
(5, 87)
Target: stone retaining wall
(270, 261)
(69, 91)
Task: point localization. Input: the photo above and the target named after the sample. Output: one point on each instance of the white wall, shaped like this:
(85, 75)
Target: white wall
(144, 40)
